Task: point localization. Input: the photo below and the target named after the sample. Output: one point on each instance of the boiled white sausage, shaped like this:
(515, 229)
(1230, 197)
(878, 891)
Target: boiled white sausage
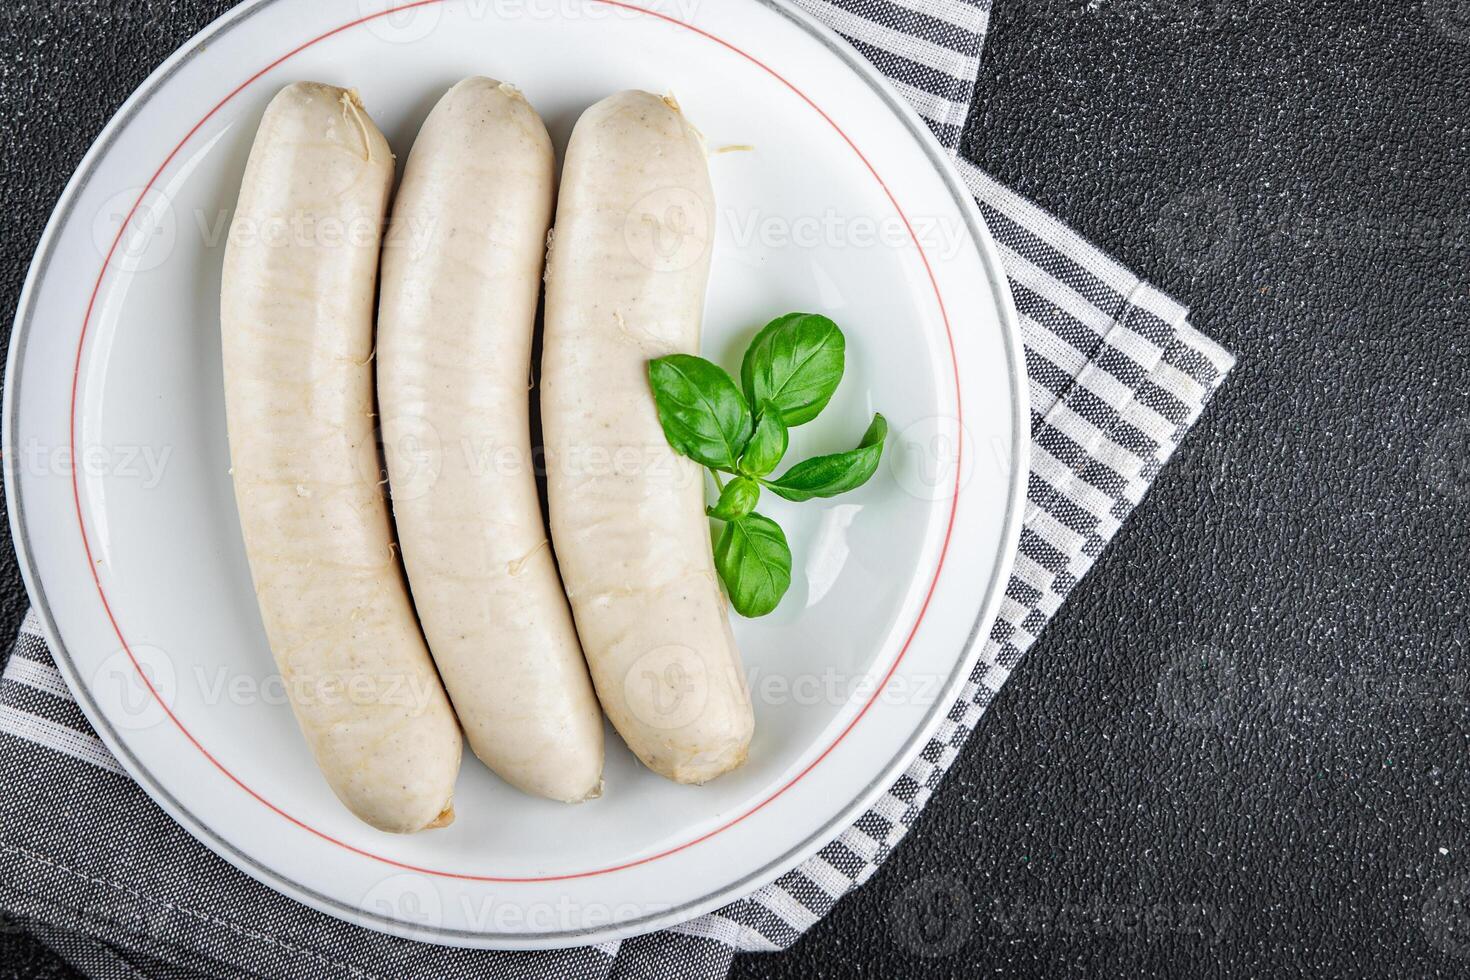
(297, 317)
(626, 283)
(462, 274)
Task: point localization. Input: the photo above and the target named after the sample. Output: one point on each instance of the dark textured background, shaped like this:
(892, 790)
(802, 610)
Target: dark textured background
(1240, 749)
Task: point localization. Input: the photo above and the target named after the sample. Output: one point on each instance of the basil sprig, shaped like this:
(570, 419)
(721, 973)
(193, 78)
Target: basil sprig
(755, 564)
(768, 444)
(830, 476)
(703, 414)
(788, 376)
(795, 363)
(737, 500)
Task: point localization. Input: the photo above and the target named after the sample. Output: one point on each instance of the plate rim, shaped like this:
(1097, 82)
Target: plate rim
(197, 828)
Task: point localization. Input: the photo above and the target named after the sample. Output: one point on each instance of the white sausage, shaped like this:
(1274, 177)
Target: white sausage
(297, 317)
(461, 277)
(627, 277)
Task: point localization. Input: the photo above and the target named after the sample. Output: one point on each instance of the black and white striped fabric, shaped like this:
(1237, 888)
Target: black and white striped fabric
(1117, 378)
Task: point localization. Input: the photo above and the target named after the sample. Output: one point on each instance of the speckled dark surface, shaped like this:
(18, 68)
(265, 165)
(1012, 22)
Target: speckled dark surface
(1241, 748)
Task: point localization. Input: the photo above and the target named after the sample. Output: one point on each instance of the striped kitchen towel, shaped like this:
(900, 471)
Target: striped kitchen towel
(1118, 376)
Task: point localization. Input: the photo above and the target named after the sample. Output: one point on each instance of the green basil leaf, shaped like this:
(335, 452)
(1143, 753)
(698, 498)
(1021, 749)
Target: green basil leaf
(828, 476)
(768, 445)
(754, 561)
(737, 499)
(701, 410)
(796, 362)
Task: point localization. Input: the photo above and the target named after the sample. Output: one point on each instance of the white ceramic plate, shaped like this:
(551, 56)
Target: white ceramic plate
(841, 202)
